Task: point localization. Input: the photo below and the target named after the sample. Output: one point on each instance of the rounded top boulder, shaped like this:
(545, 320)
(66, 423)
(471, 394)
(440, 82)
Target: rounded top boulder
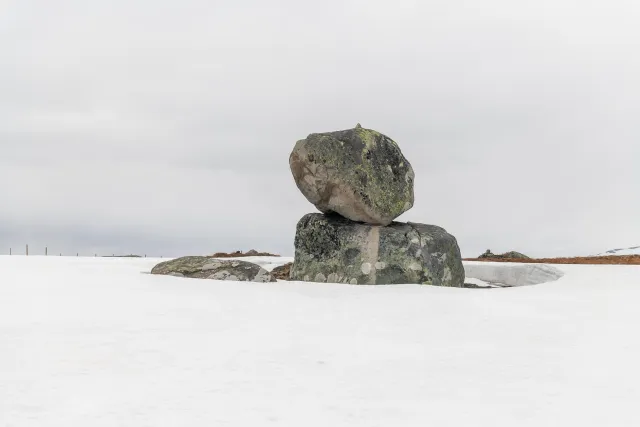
(358, 173)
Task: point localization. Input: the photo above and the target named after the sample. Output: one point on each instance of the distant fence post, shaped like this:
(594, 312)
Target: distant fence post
(46, 251)
(27, 250)
(9, 251)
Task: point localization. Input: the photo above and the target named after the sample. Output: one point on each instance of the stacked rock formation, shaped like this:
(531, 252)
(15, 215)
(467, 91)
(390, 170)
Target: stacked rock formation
(360, 181)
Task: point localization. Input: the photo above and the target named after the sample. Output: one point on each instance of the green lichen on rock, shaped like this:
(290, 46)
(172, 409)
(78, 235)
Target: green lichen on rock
(358, 173)
(199, 267)
(329, 248)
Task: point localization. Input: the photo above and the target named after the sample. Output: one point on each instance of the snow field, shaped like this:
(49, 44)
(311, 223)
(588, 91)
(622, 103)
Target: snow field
(95, 342)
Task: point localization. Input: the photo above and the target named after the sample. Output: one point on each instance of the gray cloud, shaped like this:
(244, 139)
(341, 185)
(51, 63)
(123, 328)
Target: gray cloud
(166, 126)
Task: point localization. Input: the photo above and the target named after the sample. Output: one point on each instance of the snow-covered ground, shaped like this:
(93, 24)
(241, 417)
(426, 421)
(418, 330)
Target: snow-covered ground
(635, 250)
(95, 342)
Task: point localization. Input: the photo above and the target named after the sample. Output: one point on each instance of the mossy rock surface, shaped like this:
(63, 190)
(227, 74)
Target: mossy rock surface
(329, 248)
(358, 173)
(199, 267)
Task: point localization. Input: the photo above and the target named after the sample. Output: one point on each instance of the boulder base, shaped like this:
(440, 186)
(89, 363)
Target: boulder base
(200, 267)
(358, 173)
(329, 248)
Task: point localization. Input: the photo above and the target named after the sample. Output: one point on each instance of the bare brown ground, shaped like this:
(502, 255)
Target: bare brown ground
(282, 272)
(611, 259)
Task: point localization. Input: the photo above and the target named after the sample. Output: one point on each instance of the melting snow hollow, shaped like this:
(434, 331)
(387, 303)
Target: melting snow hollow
(511, 274)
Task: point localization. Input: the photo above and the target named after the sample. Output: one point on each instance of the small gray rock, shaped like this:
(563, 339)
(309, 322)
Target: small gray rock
(200, 267)
(358, 173)
(329, 247)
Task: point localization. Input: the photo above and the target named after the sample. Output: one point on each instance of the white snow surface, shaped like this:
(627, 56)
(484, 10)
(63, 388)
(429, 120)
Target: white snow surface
(95, 342)
(512, 274)
(478, 282)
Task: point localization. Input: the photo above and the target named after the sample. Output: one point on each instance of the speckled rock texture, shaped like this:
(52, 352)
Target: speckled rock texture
(358, 173)
(200, 267)
(329, 248)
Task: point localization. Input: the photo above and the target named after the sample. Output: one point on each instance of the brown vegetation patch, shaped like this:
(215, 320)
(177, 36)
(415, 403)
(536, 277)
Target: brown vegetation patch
(610, 259)
(282, 272)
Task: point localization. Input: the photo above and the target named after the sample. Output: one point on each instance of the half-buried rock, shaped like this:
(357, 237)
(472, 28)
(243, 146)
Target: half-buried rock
(200, 267)
(358, 173)
(329, 248)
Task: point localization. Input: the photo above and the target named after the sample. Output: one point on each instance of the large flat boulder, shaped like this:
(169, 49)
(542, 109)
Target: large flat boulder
(200, 267)
(329, 248)
(358, 173)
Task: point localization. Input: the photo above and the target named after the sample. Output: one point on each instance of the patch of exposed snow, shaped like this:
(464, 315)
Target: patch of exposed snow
(482, 283)
(511, 274)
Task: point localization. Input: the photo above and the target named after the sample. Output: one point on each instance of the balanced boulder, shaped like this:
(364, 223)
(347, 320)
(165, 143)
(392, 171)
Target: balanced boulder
(200, 267)
(358, 173)
(329, 248)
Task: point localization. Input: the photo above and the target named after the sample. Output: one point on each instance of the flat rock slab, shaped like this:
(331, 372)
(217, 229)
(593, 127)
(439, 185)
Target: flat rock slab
(358, 173)
(199, 267)
(329, 248)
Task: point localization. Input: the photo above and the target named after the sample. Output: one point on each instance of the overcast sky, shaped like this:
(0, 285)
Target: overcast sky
(165, 127)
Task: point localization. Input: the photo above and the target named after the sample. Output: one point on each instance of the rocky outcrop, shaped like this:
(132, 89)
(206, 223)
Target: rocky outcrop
(358, 173)
(329, 248)
(507, 255)
(199, 267)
